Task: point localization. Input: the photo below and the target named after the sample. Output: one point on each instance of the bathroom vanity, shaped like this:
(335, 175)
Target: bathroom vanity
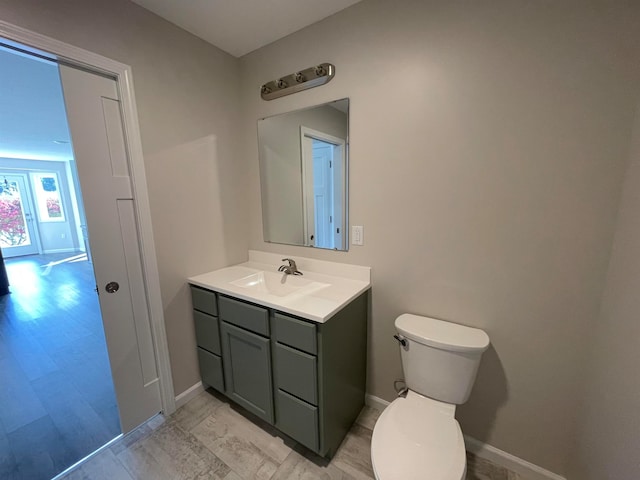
(289, 349)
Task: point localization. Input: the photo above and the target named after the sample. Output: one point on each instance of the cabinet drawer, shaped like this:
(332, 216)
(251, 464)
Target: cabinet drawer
(211, 369)
(297, 419)
(245, 315)
(295, 333)
(204, 300)
(296, 373)
(207, 332)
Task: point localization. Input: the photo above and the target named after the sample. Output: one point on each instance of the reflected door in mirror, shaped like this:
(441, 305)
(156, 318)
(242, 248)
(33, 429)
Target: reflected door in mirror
(323, 187)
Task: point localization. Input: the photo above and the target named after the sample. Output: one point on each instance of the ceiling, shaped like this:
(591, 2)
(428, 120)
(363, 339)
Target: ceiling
(241, 26)
(33, 121)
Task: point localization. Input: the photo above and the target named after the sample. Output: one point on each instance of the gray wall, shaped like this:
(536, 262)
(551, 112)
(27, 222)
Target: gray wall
(608, 437)
(488, 146)
(188, 98)
(281, 168)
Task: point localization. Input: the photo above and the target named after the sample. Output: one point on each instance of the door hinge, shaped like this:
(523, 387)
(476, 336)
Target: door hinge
(330, 218)
(330, 164)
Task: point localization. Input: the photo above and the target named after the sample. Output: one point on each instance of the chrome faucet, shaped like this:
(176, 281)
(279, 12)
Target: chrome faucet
(291, 269)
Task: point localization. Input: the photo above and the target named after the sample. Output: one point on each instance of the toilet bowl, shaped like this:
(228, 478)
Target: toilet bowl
(417, 435)
(417, 438)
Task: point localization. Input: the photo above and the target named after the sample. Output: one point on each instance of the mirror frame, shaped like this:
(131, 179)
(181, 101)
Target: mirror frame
(303, 231)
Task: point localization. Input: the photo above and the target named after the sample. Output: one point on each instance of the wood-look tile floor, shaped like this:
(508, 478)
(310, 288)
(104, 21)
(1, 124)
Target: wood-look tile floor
(57, 402)
(209, 438)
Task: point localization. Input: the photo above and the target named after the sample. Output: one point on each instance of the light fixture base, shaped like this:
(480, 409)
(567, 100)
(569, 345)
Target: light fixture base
(298, 81)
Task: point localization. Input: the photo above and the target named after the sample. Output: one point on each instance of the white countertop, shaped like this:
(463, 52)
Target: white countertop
(343, 283)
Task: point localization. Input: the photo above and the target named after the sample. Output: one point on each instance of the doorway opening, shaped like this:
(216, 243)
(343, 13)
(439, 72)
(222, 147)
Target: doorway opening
(58, 401)
(324, 188)
(17, 236)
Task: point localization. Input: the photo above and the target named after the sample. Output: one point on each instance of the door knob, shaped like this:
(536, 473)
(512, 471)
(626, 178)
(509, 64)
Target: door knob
(112, 287)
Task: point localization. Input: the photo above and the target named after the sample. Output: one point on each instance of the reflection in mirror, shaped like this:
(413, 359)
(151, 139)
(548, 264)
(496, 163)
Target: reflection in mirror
(303, 176)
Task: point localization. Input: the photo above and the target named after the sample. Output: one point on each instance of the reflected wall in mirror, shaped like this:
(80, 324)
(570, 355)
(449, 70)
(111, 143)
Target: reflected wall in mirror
(303, 176)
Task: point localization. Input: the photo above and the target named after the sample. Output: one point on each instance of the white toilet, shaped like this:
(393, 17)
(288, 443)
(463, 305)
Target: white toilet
(417, 436)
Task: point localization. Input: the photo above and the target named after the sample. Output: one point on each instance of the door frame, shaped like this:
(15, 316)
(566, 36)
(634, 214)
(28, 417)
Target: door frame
(307, 175)
(84, 59)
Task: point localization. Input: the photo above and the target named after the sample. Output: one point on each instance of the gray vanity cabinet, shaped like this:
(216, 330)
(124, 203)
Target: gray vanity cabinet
(205, 317)
(319, 375)
(304, 377)
(295, 371)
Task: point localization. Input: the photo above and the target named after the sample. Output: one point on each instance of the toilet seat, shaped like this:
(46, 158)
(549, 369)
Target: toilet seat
(418, 438)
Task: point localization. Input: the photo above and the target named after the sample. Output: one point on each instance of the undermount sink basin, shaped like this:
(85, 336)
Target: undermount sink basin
(278, 284)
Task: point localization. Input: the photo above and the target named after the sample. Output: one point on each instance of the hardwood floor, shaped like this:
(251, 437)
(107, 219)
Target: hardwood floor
(57, 402)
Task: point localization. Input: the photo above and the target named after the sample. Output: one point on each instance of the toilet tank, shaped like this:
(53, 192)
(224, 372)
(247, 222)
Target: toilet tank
(440, 359)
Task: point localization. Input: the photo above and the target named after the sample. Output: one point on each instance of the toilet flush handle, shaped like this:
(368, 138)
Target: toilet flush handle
(401, 340)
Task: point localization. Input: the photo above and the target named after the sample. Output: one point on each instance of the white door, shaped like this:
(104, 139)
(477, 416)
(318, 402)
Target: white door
(323, 188)
(95, 122)
(323, 192)
(18, 235)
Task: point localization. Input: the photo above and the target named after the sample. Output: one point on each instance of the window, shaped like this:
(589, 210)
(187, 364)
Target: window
(48, 198)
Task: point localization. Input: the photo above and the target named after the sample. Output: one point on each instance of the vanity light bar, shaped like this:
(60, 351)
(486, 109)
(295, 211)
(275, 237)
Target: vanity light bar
(296, 82)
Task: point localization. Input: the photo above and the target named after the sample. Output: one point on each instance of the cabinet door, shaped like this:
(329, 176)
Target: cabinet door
(247, 370)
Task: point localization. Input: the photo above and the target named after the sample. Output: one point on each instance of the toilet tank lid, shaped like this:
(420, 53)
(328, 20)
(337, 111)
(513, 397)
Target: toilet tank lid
(441, 334)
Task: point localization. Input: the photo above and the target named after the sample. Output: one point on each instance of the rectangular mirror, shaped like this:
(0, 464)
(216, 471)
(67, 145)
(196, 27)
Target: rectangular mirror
(304, 176)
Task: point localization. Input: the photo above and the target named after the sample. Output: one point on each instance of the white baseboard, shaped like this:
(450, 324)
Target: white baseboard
(375, 402)
(488, 452)
(61, 250)
(513, 463)
(188, 394)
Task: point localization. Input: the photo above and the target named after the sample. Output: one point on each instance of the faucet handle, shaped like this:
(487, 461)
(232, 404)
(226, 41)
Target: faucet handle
(292, 262)
(292, 268)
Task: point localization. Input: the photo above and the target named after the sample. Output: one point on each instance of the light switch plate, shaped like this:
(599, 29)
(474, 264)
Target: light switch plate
(357, 235)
